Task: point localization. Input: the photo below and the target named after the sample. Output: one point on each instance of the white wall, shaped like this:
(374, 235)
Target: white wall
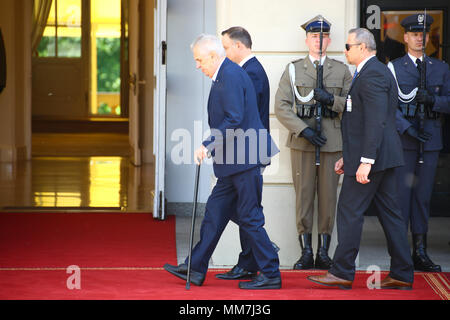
(278, 39)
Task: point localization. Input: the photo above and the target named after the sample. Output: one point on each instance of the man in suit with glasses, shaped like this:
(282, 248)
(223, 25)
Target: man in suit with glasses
(370, 156)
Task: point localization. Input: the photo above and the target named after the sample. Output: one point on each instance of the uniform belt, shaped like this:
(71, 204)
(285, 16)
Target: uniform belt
(410, 111)
(309, 111)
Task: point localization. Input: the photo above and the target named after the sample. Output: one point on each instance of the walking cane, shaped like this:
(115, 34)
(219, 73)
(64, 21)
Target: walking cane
(191, 240)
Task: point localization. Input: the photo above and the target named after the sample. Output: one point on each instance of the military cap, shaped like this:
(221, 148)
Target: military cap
(316, 24)
(415, 22)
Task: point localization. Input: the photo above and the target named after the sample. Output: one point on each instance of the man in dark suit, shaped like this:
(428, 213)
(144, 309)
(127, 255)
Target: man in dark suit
(370, 156)
(238, 46)
(416, 180)
(240, 145)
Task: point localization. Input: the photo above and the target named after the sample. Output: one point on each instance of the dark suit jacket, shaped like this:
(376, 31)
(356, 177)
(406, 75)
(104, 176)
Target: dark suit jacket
(261, 83)
(369, 129)
(438, 83)
(238, 139)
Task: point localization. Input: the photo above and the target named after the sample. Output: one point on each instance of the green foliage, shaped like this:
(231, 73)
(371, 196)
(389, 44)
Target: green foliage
(67, 47)
(104, 108)
(108, 64)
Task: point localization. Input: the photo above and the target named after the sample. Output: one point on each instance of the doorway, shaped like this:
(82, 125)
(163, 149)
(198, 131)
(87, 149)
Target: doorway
(80, 83)
(81, 93)
(80, 78)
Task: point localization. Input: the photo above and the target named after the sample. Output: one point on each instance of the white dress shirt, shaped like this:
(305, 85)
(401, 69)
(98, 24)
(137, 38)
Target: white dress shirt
(217, 71)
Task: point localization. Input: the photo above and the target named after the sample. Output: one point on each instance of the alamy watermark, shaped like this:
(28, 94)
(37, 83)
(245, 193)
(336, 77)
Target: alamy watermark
(374, 17)
(74, 280)
(231, 146)
(374, 280)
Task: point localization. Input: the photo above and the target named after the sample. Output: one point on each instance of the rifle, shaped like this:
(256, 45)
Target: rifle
(422, 86)
(319, 84)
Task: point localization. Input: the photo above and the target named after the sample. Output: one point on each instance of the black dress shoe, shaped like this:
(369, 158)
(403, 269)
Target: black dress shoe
(261, 282)
(236, 273)
(180, 271)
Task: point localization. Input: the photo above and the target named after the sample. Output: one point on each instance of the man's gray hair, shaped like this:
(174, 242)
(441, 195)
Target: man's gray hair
(362, 35)
(209, 43)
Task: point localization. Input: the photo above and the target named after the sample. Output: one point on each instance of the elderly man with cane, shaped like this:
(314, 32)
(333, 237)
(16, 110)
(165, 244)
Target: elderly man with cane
(240, 145)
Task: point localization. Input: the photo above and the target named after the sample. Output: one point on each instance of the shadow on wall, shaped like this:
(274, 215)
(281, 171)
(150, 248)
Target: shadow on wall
(2, 63)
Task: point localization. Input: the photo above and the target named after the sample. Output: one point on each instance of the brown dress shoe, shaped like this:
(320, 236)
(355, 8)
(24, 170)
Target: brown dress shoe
(389, 283)
(330, 280)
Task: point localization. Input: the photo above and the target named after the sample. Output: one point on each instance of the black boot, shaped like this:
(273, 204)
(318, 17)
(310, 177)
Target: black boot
(323, 261)
(306, 261)
(420, 258)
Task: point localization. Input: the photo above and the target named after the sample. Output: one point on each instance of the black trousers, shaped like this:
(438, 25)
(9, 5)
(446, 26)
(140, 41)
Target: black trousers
(354, 200)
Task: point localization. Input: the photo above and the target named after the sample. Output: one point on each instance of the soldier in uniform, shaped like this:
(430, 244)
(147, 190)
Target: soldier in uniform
(415, 180)
(295, 108)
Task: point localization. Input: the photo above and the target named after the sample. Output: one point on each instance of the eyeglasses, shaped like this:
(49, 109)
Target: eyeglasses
(349, 45)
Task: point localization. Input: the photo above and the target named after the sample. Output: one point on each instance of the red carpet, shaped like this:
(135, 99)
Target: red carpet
(121, 257)
(85, 240)
(157, 284)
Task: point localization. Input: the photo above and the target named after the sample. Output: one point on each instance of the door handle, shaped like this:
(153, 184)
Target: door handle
(164, 52)
(134, 82)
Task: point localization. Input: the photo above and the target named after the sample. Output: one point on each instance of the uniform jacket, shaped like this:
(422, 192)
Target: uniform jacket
(336, 79)
(369, 130)
(438, 83)
(238, 139)
(261, 83)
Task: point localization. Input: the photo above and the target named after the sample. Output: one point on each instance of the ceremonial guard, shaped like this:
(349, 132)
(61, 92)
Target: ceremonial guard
(423, 94)
(310, 107)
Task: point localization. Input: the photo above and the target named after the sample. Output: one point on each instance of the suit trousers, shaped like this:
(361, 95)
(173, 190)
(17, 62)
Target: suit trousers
(309, 178)
(415, 185)
(242, 191)
(354, 200)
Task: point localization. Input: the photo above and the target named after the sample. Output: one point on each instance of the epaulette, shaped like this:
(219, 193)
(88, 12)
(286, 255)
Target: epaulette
(335, 60)
(298, 60)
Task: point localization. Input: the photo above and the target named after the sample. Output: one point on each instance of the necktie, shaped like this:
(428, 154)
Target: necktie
(419, 64)
(354, 76)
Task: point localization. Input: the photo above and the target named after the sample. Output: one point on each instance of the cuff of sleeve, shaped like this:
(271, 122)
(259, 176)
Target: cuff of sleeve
(366, 160)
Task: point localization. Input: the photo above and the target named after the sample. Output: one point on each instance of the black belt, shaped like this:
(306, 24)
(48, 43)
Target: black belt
(308, 111)
(410, 111)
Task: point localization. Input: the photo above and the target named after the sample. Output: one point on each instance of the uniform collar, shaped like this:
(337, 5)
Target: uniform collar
(414, 58)
(313, 59)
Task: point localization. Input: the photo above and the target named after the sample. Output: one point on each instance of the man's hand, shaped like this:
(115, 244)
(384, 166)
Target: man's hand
(313, 137)
(200, 154)
(339, 166)
(323, 96)
(363, 173)
(422, 96)
(422, 137)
